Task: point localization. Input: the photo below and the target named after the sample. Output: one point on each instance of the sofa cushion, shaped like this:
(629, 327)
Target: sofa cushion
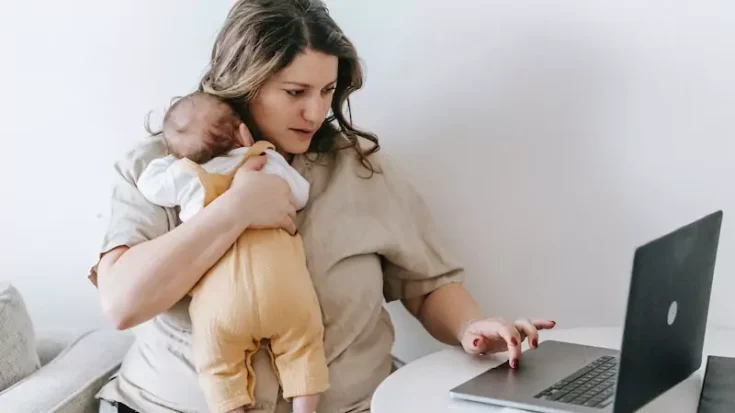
(18, 357)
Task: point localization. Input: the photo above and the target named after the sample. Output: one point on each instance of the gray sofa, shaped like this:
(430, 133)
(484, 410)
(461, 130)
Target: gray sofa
(64, 370)
(55, 371)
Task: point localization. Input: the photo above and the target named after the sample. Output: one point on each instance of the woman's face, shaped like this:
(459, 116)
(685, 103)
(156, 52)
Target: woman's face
(293, 103)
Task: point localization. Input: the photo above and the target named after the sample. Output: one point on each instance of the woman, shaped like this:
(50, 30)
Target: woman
(368, 236)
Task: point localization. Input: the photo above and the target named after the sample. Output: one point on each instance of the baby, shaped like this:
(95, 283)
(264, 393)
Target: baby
(260, 288)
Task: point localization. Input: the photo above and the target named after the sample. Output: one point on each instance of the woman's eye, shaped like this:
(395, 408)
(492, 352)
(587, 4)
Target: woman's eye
(330, 90)
(294, 92)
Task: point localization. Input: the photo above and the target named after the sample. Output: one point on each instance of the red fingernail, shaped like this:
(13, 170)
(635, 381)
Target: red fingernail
(476, 342)
(513, 364)
(535, 343)
(513, 341)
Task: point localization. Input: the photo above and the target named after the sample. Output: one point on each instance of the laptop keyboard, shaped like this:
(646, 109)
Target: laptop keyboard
(593, 385)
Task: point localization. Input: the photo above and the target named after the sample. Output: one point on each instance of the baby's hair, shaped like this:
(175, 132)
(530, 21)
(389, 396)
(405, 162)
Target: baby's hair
(200, 133)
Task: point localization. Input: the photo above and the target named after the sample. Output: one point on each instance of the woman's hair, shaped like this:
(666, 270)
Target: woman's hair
(261, 37)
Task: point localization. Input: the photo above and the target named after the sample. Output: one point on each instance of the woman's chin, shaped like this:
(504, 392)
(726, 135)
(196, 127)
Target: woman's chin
(297, 147)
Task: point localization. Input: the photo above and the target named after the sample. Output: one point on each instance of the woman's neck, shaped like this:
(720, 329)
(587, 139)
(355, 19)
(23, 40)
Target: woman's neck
(288, 156)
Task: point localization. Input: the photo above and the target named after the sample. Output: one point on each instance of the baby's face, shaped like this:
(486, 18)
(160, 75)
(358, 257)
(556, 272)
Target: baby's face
(202, 127)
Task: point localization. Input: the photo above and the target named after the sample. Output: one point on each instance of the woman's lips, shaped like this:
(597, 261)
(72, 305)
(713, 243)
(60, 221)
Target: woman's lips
(304, 133)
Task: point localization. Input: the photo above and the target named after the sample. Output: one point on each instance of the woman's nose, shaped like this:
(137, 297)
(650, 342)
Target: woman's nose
(314, 110)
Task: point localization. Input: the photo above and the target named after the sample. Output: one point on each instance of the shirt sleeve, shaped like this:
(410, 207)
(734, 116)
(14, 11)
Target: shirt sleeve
(416, 260)
(132, 218)
(158, 184)
(278, 165)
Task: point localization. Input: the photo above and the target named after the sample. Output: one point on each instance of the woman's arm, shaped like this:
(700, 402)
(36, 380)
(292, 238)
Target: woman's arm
(136, 284)
(445, 311)
(452, 316)
(420, 270)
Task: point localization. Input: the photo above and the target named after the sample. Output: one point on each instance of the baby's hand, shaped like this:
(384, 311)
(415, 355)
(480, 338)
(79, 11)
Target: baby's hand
(246, 138)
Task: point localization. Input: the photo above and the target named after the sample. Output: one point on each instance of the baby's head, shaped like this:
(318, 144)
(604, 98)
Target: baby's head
(201, 126)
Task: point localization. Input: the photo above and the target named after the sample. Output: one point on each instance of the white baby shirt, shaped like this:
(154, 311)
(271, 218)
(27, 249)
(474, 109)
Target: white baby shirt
(166, 183)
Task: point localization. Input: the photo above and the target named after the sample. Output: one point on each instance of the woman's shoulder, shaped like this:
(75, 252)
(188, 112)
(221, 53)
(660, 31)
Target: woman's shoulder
(378, 169)
(139, 155)
(390, 193)
(372, 161)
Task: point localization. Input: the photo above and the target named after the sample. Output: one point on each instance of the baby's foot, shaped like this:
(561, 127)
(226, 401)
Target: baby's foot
(305, 404)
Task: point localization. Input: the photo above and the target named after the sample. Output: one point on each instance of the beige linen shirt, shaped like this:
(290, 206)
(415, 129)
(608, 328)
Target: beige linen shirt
(365, 240)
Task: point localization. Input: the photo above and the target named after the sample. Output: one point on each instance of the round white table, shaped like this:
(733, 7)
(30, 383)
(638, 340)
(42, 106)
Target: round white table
(423, 385)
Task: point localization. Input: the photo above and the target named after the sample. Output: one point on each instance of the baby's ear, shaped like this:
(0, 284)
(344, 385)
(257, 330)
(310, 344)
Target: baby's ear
(245, 137)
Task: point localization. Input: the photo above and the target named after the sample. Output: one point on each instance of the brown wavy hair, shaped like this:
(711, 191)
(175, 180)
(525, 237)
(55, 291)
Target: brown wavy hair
(261, 37)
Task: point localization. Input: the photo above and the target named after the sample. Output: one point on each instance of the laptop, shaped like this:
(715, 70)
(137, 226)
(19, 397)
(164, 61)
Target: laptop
(662, 343)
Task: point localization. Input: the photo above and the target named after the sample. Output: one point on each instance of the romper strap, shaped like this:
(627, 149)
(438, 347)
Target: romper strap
(255, 150)
(192, 167)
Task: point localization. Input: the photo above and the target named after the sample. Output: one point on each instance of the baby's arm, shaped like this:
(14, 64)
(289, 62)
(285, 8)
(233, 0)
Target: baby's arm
(166, 183)
(278, 165)
(157, 183)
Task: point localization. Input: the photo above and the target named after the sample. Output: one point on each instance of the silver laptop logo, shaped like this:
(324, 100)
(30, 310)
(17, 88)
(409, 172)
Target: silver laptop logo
(672, 312)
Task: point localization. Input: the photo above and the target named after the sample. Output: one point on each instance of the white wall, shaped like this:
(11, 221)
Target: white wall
(552, 138)
(549, 138)
(81, 75)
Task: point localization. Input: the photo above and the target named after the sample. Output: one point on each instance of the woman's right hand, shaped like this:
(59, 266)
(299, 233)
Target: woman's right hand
(264, 200)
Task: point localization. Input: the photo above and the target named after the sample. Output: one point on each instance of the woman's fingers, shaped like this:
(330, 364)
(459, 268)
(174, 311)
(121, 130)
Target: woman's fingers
(544, 324)
(477, 344)
(289, 226)
(494, 335)
(292, 212)
(254, 163)
(479, 337)
(488, 332)
(291, 209)
(529, 330)
(513, 338)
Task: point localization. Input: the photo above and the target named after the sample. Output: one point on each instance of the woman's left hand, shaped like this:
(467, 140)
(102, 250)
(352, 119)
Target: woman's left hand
(493, 335)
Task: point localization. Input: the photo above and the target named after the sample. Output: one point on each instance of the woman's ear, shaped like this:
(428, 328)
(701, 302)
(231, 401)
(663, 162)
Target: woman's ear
(246, 138)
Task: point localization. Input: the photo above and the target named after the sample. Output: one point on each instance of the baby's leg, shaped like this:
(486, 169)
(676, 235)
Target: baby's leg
(300, 360)
(222, 358)
(305, 404)
(291, 316)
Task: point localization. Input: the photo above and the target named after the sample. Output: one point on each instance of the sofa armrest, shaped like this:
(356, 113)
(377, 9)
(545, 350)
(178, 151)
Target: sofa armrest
(51, 342)
(69, 383)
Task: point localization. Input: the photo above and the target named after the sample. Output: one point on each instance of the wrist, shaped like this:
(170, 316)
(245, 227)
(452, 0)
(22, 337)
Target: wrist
(470, 315)
(235, 211)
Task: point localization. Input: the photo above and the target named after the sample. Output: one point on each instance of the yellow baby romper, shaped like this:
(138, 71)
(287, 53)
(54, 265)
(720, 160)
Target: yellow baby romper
(260, 289)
